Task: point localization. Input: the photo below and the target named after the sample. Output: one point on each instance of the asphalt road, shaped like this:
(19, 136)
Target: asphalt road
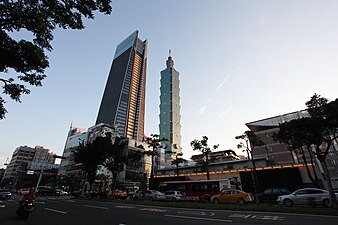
(66, 210)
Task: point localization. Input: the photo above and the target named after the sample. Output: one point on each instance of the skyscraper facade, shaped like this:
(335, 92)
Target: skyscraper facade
(170, 116)
(123, 101)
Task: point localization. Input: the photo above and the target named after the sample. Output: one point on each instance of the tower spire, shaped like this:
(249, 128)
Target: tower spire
(170, 62)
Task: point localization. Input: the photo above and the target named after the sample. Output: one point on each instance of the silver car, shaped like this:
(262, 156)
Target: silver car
(5, 194)
(306, 196)
(174, 196)
(151, 195)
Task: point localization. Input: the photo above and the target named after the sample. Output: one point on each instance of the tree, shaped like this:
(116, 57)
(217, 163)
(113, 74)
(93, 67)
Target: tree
(251, 141)
(296, 135)
(154, 142)
(321, 132)
(89, 155)
(40, 18)
(116, 158)
(325, 119)
(202, 146)
(177, 161)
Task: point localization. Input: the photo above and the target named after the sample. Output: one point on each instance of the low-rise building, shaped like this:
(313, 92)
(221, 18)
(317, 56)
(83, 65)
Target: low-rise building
(22, 159)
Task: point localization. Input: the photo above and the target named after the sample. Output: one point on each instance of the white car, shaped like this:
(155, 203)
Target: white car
(61, 192)
(306, 196)
(174, 196)
(151, 195)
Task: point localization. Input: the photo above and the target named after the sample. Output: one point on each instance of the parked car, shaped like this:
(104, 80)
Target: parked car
(174, 196)
(271, 194)
(76, 193)
(22, 191)
(151, 195)
(60, 192)
(118, 194)
(5, 194)
(232, 196)
(44, 190)
(306, 196)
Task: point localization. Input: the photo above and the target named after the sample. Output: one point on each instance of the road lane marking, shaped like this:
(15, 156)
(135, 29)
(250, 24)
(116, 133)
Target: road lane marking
(125, 207)
(41, 203)
(199, 218)
(2, 206)
(54, 210)
(259, 217)
(193, 213)
(94, 206)
(154, 210)
(69, 201)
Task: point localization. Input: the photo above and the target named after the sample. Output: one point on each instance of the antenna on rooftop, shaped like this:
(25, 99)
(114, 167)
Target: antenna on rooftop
(7, 162)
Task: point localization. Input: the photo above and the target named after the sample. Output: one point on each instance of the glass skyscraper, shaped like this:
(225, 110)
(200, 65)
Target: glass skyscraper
(123, 101)
(170, 117)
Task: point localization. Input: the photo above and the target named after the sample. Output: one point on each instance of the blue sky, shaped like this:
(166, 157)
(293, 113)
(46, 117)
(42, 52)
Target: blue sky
(239, 61)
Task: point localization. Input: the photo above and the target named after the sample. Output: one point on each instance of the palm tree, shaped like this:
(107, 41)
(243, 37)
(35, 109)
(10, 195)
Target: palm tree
(116, 158)
(203, 147)
(88, 156)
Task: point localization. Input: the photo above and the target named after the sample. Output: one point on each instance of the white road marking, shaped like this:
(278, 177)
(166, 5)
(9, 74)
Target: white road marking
(193, 213)
(94, 206)
(154, 210)
(54, 210)
(260, 217)
(124, 207)
(2, 206)
(199, 218)
(69, 201)
(41, 203)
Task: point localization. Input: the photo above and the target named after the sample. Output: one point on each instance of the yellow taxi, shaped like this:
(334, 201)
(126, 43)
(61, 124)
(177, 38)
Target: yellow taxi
(232, 196)
(118, 194)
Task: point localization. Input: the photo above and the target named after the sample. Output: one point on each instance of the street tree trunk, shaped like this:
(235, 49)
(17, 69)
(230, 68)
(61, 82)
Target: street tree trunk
(332, 195)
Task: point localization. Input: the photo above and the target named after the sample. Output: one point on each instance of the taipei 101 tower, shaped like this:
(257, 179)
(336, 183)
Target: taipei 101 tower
(170, 116)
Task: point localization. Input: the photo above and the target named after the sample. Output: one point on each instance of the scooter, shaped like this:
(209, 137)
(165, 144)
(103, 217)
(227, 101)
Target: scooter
(25, 209)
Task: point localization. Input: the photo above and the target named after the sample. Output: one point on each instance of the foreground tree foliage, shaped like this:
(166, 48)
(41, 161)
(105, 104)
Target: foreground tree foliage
(202, 146)
(319, 132)
(24, 62)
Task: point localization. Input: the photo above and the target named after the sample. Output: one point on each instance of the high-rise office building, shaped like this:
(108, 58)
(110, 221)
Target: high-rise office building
(123, 101)
(170, 117)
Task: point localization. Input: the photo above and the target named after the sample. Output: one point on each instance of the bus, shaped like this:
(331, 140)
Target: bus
(197, 190)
